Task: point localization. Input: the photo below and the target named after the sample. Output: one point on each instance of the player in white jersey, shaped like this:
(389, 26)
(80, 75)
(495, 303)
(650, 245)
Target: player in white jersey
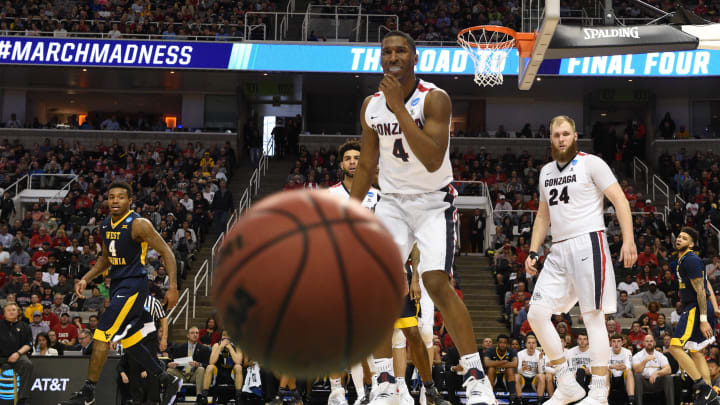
(349, 155)
(579, 267)
(406, 326)
(406, 129)
(578, 359)
(530, 375)
(622, 380)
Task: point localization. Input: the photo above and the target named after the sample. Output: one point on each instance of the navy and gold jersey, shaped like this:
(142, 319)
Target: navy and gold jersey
(689, 266)
(494, 355)
(225, 361)
(127, 256)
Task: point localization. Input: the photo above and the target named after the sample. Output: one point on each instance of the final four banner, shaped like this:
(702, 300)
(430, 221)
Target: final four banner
(331, 58)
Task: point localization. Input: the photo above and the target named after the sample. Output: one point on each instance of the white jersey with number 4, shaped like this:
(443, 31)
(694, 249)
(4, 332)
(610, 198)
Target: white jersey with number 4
(401, 172)
(574, 194)
(533, 362)
(368, 202)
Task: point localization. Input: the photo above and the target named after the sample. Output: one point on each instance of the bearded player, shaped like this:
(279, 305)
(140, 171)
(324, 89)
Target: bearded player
(579, 268)
(695, 328)
(406, 130)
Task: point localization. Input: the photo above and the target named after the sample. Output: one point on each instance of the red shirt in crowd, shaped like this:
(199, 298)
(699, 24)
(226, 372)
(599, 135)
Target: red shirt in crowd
(40, 258)
(67, 332)
(637, 339)
(52, 319)
(37, 240)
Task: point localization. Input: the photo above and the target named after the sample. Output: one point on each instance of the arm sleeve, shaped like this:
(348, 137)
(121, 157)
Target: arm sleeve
(636, 359)
(26, 336)
(600, 172)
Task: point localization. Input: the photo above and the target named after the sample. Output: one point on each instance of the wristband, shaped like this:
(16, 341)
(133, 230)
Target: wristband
(533, 255)
(703, 318)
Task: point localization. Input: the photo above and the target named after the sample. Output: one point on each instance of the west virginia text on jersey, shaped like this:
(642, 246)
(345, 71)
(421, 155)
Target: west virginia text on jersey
(127, 256)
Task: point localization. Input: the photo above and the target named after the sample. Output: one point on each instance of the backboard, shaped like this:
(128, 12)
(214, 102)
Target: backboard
(679, 31)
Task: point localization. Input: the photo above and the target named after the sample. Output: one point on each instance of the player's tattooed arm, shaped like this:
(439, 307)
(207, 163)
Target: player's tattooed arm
(367, 165)
(699, 287)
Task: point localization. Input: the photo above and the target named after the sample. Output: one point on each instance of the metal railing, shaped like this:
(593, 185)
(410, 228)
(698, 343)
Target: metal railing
(201, 277)
(106, 35)
(717, 234)
(661, 188)
(641, 170)
(462, 185)
(214, 252)
(182, 306)
(14, 188)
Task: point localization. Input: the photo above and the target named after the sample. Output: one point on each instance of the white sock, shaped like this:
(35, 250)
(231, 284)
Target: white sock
(599, 384)
(470, 361)
(384, 366)
(335, 383)
(357, 377)
(401, 383)
(563, 374)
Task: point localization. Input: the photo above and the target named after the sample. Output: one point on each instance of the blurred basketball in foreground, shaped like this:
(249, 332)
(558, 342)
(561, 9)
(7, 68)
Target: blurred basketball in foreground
(308, 283)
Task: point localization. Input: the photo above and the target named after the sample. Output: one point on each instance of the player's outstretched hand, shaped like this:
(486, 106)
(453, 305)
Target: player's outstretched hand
(706, 330)
(628, 253)
(171, 298)
(531, 265)
(393, 91)
(80, 287)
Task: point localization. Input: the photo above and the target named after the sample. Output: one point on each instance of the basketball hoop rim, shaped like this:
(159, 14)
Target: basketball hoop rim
(496, 28)
(523, 41)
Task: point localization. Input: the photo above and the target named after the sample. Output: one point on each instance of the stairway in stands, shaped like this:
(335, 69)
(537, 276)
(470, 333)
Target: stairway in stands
(274, 180)
(478, 286)
(474, 272)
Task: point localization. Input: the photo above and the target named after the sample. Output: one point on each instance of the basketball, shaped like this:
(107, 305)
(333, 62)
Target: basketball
(308, 283)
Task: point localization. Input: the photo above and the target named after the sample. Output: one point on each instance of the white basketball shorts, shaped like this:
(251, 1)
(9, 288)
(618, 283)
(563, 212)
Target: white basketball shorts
(578, 269)
(426, 218)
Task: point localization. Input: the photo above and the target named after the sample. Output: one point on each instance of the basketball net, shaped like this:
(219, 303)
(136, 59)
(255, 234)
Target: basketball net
(488, 47)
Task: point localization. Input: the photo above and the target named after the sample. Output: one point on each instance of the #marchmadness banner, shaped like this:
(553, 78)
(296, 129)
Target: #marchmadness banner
(330, 58)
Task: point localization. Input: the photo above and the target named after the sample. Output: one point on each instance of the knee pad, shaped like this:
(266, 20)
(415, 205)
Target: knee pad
(426, 332)
(597, 337)
(398, 339)
(539, 318)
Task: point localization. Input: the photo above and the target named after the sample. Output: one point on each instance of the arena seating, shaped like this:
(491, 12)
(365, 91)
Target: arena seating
(172, 186)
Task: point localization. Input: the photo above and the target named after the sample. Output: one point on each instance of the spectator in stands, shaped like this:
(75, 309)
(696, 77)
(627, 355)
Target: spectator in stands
(194, 371)
(624, 306)
(15, 346)
(64, 285)
(54, 343)
(647, 274)
(654, 295)
(647, 257)
(33, 307)
(499, 358)
(85, 342)
(670, 287)
(67, 333)
(226, 366)
(661, 328)
(622, 381)
(95, 301)
(652, 372)
(50, 276)
(651, 314)
(629, 285)
(221, 205)
(42, 345)
(712, 270)
(579, 360)
(612, 327)
(636, 336)
(58, 307)
(37, 325)
(210, 334)
(19, 256)
(13, 122)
